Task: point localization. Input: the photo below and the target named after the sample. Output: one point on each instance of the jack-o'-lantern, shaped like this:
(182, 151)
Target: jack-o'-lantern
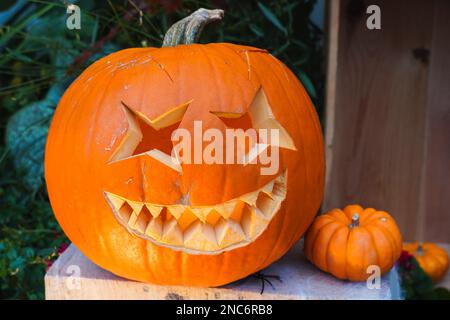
(129, 205)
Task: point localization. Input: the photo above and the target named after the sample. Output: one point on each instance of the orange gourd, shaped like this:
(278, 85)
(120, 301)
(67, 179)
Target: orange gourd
(346, 242)
(431, 258)
(128, 207)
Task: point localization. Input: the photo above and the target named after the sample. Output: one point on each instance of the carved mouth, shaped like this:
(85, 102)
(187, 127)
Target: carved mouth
(202, 229)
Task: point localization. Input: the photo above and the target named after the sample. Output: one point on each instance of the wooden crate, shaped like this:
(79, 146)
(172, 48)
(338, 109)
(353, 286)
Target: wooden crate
(388, 112)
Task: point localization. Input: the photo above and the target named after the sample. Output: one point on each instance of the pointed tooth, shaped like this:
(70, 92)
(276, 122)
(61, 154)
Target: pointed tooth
(268, 188)
(154, 229)
(267, 205)
(172, 234)
(229, 233)
(250, 198)
(125, 213)
(176, 210)
(155, 210)
(133, 218)
(279, 190)
(253, 222)
(226, 209)
(201, 212)
(114, 200)
(210, 234)
(137, 206)
(142, 222)
(200, 236)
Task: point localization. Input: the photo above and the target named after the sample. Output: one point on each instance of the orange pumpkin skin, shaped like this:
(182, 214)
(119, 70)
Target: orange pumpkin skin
(335, 246)
(431, 258)
(89, 124)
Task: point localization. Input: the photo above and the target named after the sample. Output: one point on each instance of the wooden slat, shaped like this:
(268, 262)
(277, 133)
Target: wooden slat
(381, 123)
(435, 212)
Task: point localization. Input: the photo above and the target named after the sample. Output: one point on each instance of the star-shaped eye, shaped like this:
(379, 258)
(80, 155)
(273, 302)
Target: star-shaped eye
(150, 137)
(261, 118)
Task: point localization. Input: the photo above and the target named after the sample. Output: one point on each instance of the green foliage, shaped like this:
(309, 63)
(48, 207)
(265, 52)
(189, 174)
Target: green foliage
(39, 57)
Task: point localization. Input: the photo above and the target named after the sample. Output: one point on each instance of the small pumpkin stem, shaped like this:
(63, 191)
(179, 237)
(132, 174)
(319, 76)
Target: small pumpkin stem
(188, 30)
(355, 221)
(420, 249)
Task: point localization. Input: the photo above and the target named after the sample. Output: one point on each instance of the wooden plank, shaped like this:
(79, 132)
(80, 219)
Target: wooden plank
(332, 37)
(435, 212)
(73, 276)
(378, 132)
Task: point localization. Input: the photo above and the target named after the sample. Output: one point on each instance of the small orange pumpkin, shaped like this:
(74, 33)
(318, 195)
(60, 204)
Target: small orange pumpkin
(431, 258)
(346, 242)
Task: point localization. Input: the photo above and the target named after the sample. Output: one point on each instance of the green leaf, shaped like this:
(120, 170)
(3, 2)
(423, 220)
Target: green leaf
(256, 30)
(272, 17)
(26, 133)
(307, 83)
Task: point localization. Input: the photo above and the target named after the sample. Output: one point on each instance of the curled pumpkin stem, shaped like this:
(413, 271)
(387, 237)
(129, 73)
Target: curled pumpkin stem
(188, 30)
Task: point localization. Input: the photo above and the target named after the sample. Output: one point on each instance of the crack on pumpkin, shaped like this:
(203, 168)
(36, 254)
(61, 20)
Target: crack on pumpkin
(253, 50)
(247, 58)
(249, 66)
(161, 66)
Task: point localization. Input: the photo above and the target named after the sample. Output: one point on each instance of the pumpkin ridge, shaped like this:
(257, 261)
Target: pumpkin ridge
(330, 239)
(314, 232)
(391, 241)
(321, 260)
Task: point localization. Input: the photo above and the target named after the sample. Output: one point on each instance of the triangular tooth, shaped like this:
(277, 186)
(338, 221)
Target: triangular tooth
(268, 206)
(201, 212)
(125, 213)
(154, 229)
(133, 218)
(114, 200)
(268, 188)
(229, 233)
(172, 234)
(279, 190)
(155, 210)
(226, 209)
(210, 235)
(200, 236)
(253, 222)
(142, 222)
(250, 198)
(176, 210)
(136, 205)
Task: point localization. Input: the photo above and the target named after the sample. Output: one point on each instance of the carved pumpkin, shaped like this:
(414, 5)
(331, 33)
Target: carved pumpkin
(431, 258)
(124, 202)
(346, 242)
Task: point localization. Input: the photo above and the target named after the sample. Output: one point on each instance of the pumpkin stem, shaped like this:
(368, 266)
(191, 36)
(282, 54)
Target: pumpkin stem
(188, 30)
(420, 249)
(355, 221)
